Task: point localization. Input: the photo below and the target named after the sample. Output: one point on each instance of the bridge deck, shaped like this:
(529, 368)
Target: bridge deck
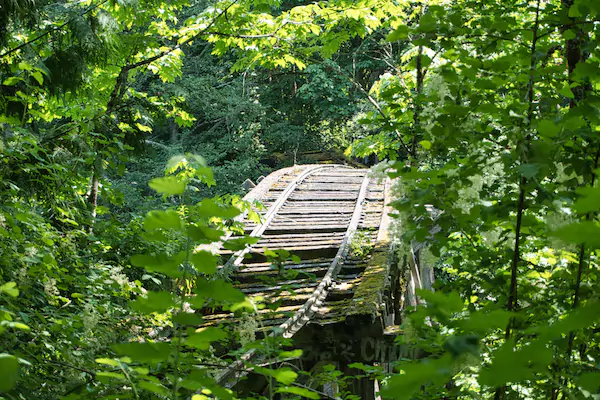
(328, 216)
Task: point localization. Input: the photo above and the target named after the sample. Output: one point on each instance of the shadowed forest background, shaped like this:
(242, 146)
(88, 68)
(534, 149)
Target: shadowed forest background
(128, 127)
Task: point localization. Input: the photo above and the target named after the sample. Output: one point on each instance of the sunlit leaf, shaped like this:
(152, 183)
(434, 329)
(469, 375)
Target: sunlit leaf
(106, 376)
(168, 219)
(400, 33)
(9, 371)
(155, 388)
(579, 232)
(589, 200)
(153, 302)
(108, 361)
(218, 290)
(283, 375)
(299, 391)
(240, 243)
(426, 144)
(168, 185)
(210, 208)
(548, 128)
(204, 262)
(204, 234)
(202, 338)
(10, 288)
(512, 366)
(158, 263)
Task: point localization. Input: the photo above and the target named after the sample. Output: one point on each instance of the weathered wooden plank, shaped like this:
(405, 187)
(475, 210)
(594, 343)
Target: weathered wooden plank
(311, 222)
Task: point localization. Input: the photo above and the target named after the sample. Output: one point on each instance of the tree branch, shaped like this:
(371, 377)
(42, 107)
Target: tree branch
(57, 28)
(123, 74)
(375, 104)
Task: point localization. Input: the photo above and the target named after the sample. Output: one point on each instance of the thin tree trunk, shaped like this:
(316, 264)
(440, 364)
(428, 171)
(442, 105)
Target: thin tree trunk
(512, 297)
(418, 107)
(573, 56)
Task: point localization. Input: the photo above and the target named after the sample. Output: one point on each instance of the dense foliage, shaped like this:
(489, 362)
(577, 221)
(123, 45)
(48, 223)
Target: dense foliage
(487, 111)
(496, 111)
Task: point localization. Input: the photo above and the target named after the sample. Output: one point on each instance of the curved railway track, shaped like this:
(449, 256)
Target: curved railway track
(314, 213)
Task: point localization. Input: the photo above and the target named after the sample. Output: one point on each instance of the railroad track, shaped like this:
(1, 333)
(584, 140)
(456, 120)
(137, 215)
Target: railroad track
(314, 212)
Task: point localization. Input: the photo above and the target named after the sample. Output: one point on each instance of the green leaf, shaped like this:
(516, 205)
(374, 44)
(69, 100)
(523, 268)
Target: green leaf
(589, 200)
(580, 318)
(548, 128)
(284, 375)
(465, 344)
(569, 34)
(205, 175)
(199, 379)
(168, 219)
(10, 288)
(13, 80)
(400, 33)
(25, 66)
(358, 365)
(153, 279)
(108, 361)
(300, 391)
(579, 232)
(204, 262)
(143, 128)
(204, 234)
(426, 144)
(208, 208)
(290, 354)
(218, 290)
(154, 388)
(158, 263)
(529, 170)
(246, 305)
(174, 163)
(510, 366)
(483, 322)
(202, 338)
(9, 371)
(144, 352)
(446, 304)
(15, 325)
(138, 370)
(240, 243)
(168, 185)
(106, 376)
(589, 381)
(566, 91)
(37, 75)
(153, 302)
(574, 11)
(415, 376)
(270, 253)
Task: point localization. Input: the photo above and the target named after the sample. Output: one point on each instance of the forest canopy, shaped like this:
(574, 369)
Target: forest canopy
(128, 126)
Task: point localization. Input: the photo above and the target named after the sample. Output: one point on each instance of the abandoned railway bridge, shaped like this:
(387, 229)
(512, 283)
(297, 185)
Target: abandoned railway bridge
(337, 296)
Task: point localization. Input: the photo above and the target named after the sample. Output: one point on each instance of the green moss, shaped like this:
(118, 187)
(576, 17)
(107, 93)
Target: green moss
(367, 295)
